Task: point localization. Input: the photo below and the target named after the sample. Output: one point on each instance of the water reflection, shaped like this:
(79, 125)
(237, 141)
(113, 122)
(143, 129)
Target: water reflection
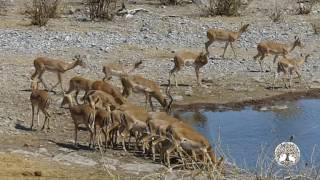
(244, 132)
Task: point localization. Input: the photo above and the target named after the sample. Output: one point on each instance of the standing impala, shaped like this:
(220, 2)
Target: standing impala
(275, 48)
(181, 59)
(288, 66)
(225, 36)
(40, 100)
(59, 67)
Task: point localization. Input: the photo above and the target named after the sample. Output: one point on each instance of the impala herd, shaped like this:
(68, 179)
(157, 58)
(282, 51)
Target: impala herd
(106, 110)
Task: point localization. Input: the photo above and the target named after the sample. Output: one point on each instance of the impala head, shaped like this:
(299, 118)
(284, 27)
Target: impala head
(306, 57)
(79, 60)
(244, 28)
(107, 73)
(34, 84)
(203, 57)
(297, 42)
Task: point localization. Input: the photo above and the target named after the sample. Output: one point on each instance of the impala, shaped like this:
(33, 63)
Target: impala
(197, 60)
(225, 36)
(59, 67)
(275, 48)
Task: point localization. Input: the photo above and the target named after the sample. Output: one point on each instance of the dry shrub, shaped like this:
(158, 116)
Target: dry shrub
(43, 10)
(169, 2)
(101, 9)
(306, 7)
(225, 7)
(276, 15)
(3, 7)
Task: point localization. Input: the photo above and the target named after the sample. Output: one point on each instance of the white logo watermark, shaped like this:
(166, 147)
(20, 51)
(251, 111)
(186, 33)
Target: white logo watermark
(287, 154)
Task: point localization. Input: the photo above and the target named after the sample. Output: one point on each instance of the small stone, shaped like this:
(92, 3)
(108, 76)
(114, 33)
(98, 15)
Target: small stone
(38, 173)
(27, 173)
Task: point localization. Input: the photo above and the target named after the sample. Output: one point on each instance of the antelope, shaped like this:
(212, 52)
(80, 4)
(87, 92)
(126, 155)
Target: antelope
(275, 48)
(290, 66)
(197, 60)
(102, 124)
(140, 84)
(110, 70)
(81, 114)
(225, 36)
(108, 88)
(77, 84)
(185, 139)
(39, 99)
(157, 125)
(106, 100)
(134, 122)
(59, 67)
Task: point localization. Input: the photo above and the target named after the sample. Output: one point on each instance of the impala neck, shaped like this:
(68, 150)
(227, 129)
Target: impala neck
(71, 66)
(292, 46)
(161, 99)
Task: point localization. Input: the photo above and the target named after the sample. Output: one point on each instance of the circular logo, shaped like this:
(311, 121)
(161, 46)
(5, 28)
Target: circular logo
(287, 154)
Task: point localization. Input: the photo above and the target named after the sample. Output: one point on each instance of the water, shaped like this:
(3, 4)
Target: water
(244, 133)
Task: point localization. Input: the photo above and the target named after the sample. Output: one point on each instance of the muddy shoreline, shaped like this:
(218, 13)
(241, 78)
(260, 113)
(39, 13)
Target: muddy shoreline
(254, 103)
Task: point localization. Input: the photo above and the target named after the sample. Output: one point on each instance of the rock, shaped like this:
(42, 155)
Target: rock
(263, 109)
(26, 153)
(65, 150)
(279, 107)
(110, 161)
(178, 98)
(75, 159)
(43, 151)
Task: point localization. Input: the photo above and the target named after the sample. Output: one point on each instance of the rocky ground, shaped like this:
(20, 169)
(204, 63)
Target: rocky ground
(153, 37)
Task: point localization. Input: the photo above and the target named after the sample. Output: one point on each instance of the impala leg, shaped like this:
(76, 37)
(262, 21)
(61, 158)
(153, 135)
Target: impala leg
(197, 69)
(290, 80)
(146, 101)
(76, 135)
(38, 109)
(105, 137)
(42, 81)
(168, 152)
(32, 106)
(260, 61)
(225, 49)
(274, 79)
(60, 81)
(234, 52)
(45, 119)
(275, 58)
(207, 44)
(76, 97)
(150, 102)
